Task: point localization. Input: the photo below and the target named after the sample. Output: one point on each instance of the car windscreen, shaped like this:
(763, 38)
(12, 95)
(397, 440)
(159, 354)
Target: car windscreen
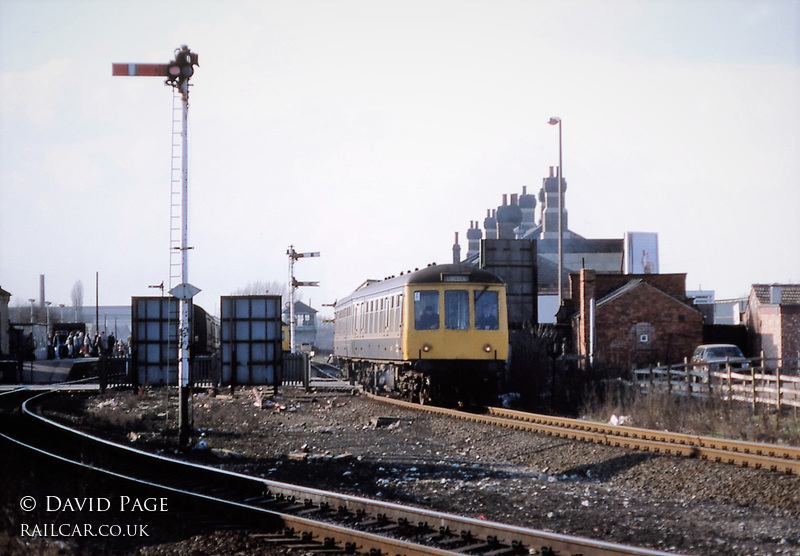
(721, 352)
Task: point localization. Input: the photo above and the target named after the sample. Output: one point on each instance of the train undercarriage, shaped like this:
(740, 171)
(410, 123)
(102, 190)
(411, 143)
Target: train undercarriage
(451, 383)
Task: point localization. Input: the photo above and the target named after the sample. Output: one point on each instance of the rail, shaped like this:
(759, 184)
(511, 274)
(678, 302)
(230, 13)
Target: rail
(331, 521)
(756, 382)
(780, 459)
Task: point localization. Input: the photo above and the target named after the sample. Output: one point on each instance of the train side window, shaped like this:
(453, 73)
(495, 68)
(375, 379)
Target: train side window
(486, 310)
(426, 310)
(456, 309)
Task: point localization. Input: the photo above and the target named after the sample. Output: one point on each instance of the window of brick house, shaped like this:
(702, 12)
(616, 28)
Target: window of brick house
(643, 335)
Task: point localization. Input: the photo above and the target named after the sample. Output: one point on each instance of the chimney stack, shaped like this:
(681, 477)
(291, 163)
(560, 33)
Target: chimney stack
(490, 224)
(474, 236)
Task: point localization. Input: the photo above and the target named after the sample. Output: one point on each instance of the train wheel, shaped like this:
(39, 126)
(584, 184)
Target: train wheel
(424, 396)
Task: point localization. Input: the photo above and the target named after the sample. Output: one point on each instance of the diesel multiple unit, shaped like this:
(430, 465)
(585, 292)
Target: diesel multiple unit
(439, 334)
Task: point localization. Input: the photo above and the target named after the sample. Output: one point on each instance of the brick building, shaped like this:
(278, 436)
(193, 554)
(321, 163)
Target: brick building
(773, 321)
(638, 319)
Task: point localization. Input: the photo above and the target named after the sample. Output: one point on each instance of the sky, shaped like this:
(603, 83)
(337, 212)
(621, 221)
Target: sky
(371, 131)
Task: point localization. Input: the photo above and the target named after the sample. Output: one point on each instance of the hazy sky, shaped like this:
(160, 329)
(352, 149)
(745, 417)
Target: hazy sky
(371, 131)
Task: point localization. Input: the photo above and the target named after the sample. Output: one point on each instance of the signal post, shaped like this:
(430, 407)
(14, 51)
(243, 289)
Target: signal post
(177, 74)
(293, 285)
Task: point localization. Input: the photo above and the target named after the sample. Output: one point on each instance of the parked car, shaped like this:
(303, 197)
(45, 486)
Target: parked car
(715, 357)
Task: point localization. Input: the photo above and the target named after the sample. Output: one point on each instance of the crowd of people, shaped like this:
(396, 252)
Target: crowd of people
(78, 344)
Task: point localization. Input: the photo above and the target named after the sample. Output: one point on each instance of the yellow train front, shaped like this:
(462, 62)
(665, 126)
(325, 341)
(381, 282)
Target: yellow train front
(436, 335)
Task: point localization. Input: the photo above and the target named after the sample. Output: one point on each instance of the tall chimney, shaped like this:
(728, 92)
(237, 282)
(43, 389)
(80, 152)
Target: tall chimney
(490, 225)
(528, 205)
(41, 291)
(550, 207)
(508, 218)
(456, 251)
(474, 236)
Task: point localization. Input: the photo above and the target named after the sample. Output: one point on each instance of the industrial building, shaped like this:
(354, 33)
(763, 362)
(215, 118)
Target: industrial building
(516, 219)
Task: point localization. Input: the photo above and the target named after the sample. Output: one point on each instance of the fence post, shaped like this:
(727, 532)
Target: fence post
(753, 378)
(669, 379)
(687, 368)
(730, 385)
(778, 387)
(306, 362)
(103, 364)
(710, 377)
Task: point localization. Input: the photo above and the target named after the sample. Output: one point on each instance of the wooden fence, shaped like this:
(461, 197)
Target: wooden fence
(761, 381)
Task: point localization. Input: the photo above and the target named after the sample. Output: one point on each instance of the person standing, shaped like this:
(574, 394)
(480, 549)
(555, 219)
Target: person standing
(102, 344)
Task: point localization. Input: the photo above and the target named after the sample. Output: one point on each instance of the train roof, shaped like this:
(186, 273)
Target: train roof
(434, 274)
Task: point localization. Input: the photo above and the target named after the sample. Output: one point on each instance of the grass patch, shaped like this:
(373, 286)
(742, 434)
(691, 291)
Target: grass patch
(701, 416)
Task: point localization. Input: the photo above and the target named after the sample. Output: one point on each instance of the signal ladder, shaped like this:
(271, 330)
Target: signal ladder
(175, 190)
(175, 277)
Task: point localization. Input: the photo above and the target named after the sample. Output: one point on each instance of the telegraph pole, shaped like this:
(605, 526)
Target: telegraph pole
(178, 72)
(293, 285)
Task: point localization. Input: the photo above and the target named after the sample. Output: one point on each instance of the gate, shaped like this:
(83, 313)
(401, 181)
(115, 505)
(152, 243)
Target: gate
(296, 369)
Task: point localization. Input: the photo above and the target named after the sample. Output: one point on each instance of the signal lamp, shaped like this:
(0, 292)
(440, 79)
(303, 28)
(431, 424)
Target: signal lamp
(173, 72)
(427, 347)
(487, 348)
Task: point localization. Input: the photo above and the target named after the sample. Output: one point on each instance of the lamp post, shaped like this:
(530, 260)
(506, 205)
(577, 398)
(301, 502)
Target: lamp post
(32, 301)
(47, 321)
(553, 121)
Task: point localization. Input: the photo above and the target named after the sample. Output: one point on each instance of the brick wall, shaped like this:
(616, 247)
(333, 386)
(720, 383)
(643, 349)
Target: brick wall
(773, 329)
(642, 326)
(791, 331)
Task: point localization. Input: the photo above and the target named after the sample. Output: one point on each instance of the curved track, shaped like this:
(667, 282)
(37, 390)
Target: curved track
(783, 459)
(320, 520)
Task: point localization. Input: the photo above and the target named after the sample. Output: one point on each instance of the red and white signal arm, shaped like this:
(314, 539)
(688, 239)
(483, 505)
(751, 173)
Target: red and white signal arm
(143, 70)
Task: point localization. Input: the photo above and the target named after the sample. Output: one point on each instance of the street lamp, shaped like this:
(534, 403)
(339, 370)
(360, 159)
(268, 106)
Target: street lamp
(32, 301)
(47, 322)
(553, 121)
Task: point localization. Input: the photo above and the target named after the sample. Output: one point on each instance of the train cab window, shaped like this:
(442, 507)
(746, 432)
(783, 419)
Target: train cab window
(486, 310)
(426, 310)
(456, 309)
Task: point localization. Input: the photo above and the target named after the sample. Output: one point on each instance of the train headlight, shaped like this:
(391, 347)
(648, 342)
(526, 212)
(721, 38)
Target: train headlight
(487, 348)
(427, 347)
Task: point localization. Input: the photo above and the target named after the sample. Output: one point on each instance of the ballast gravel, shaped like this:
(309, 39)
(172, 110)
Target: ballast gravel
(351, 443)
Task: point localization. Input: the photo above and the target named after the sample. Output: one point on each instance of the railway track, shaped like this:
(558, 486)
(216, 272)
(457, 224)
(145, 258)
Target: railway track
(291, 514)
(782, 459)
